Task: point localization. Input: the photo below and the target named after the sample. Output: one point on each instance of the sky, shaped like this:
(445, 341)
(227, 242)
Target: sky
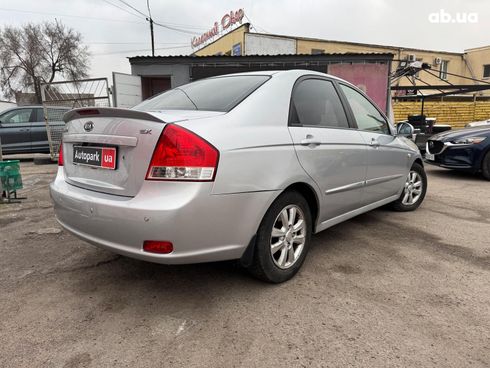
(113, 30)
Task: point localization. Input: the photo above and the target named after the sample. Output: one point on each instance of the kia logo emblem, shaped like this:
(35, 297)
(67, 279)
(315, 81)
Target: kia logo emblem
(88, 126)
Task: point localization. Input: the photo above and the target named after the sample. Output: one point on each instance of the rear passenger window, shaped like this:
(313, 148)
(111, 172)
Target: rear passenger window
(315, 102)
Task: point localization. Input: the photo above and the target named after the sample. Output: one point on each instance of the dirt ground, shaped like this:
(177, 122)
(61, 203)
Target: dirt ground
(382, 290)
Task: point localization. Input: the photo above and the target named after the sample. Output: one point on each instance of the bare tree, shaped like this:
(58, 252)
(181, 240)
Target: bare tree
(39, 53)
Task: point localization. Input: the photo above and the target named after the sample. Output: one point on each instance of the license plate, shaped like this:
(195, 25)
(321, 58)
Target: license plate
(429, 156)
(103, 157)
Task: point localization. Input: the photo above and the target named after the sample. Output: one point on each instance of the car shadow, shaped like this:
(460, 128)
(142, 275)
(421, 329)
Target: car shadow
(456, 174)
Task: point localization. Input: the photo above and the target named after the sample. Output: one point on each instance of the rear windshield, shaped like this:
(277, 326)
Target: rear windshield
(214, 94)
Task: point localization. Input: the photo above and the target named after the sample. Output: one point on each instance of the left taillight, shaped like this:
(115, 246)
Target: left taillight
(182, 155)
(60, 155)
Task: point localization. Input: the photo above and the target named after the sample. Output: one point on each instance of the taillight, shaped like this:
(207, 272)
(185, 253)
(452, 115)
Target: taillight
(182, 155)
(60, 155)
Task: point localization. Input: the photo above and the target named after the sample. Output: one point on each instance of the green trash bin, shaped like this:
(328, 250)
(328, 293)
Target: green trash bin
(10, 178)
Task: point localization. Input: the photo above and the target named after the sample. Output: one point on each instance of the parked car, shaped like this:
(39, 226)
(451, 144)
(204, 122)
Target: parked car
(478, 123)
(424, 128)
(244, 166)
(466, 149)
(23, 129)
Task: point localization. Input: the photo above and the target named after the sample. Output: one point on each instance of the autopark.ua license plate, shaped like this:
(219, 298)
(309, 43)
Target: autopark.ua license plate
(103, 157)
(429, 157)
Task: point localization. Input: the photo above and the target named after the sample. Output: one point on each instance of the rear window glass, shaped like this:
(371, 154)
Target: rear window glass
(214, 94)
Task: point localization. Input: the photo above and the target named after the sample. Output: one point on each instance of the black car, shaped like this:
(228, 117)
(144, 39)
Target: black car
(465, 149)
(23, 129)
(424, 128)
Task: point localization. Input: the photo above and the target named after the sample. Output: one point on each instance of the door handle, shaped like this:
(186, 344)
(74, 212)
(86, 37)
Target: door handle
(310, 141)
(374, 143)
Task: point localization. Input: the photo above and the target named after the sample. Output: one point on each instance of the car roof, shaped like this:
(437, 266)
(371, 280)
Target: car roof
(297, 72)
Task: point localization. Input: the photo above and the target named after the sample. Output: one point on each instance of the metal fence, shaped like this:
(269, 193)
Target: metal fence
(60, 97)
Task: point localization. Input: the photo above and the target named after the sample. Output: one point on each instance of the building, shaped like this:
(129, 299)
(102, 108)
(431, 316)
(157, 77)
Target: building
(151, 75)
(224, 50)
(472, 63)
(470, 67)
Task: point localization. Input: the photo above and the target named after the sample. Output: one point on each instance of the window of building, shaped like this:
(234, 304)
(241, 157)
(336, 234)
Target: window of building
(315, 103)
(317, 51)
(367, 116)
(443, 69)
(486, 71)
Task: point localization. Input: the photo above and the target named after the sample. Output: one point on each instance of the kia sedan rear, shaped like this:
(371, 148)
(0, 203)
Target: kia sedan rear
(244, 166)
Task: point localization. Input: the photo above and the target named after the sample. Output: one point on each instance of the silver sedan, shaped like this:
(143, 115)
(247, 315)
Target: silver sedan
(245, 166)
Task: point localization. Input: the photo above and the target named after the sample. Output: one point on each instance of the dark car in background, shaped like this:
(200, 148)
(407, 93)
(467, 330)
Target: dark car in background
(23, 129)
(466, 149)
(424, 128)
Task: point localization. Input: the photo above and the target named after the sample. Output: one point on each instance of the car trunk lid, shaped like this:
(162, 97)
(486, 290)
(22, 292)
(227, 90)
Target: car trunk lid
(128, 137)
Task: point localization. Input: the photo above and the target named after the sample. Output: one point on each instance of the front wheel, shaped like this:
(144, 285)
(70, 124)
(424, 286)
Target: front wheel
(283, 239)
(414, 190)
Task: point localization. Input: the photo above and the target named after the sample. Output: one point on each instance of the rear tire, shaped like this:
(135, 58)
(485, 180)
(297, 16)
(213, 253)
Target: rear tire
(283, 239)
(485, 166)
(414, 190)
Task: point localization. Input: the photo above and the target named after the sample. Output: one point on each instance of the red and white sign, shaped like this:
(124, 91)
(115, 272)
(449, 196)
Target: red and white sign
(227, 21)
(108, 158)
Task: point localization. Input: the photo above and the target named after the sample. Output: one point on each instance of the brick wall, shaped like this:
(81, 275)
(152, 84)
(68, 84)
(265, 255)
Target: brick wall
(455, 113)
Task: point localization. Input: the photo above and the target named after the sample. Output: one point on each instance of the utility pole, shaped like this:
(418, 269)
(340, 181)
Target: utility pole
(152, 38)
(151, 28)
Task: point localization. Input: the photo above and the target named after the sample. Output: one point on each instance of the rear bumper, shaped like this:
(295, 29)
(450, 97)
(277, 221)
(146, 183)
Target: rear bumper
(202, 227)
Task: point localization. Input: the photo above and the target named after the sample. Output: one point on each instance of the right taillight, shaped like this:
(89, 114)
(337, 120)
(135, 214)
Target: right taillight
(60, 155)
(182, 155)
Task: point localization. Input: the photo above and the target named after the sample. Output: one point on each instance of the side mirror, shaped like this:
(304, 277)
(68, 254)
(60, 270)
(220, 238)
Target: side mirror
(405, 130)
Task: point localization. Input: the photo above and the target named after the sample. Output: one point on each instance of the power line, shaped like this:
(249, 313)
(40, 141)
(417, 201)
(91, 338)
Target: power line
(70, 16)
(132, 7)
(123, 9)
(186, 26)
(175, 28)
(256, 26)
(148, 6)
(141, 50)
(141, 14)
(134, 43)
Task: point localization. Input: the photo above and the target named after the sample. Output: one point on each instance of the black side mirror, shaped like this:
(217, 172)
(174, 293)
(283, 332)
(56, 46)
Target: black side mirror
(405, 130)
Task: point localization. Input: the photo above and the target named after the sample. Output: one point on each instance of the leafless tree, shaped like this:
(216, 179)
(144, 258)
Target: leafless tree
(39, 53)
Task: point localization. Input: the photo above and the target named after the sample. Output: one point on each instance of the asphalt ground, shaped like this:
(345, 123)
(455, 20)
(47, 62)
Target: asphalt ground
(384, 289)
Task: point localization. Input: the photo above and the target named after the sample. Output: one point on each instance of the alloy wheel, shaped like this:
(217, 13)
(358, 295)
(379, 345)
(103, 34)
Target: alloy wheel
(288, 236)
(413, 188)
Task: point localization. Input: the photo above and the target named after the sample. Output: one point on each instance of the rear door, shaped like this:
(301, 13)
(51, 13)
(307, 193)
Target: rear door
(15, 130)
(328, 148)
(39, 137)
(387, 159)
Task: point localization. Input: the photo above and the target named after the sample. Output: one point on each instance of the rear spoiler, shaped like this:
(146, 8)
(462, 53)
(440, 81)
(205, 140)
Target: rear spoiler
(103, 112)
